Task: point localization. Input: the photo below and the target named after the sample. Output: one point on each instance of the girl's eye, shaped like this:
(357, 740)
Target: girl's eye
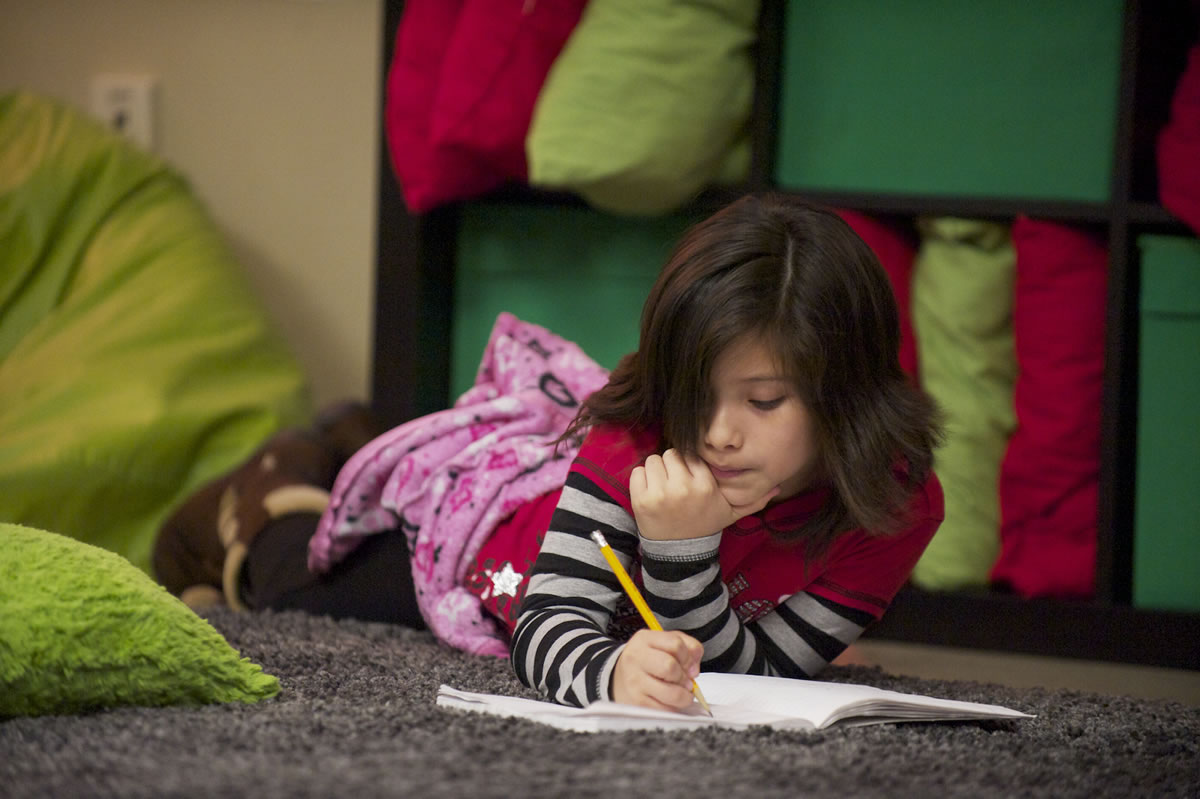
(767, 405)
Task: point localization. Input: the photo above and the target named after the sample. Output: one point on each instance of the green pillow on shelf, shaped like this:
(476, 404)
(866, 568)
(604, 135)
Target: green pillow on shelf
(647, 104)
(962, 302)
(83, 629)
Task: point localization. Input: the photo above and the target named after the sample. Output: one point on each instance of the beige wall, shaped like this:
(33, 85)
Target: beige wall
(269, 107)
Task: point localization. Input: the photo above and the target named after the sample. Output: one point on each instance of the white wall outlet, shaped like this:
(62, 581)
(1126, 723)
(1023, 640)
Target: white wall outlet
(126, 103)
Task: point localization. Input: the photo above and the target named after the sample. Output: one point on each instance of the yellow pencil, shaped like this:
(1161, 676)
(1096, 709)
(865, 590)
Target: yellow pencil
(639, 601)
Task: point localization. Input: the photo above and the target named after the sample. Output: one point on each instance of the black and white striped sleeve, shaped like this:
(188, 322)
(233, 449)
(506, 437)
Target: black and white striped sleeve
(682, 584)
(560, 646)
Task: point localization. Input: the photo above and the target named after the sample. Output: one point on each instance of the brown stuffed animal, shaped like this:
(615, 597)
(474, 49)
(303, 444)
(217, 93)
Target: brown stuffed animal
(200, 549)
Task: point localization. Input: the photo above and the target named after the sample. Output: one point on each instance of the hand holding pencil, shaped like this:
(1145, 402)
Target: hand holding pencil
(638, 601)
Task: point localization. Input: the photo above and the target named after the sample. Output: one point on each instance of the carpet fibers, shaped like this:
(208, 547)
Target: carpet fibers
(356, 717)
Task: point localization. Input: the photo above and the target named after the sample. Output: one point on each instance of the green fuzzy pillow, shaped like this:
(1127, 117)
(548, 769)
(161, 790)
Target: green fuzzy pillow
(83, 629)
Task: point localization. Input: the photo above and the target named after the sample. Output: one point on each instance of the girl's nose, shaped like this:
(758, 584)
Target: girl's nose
(722, 431)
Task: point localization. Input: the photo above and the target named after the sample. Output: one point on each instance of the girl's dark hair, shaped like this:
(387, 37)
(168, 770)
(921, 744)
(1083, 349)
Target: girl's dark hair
(797, 276)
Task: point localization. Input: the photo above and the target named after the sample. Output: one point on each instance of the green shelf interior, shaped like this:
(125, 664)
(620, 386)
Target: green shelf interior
(986, 98)
(580, 273)
(1166, 548)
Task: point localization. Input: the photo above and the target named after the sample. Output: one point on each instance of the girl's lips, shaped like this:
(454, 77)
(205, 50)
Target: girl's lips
(724, 474)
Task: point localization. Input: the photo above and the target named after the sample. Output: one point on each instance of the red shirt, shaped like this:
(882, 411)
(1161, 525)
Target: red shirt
(859, 570)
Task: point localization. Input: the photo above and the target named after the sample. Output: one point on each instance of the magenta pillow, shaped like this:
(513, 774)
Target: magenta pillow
(461, 89)
(422, 38)
(1049, 479)
(895, 248)
(1179, 148)
(494, 69)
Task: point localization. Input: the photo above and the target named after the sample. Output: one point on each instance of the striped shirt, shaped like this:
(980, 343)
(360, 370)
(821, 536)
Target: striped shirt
(756, 604)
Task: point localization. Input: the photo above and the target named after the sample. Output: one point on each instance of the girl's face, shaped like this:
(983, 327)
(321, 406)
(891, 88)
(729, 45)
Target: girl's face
(761, 433)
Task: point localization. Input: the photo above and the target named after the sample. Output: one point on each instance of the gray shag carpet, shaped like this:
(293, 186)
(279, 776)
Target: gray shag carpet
(356, 717)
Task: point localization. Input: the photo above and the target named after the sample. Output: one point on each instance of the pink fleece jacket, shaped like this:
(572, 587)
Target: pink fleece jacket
(449, 478)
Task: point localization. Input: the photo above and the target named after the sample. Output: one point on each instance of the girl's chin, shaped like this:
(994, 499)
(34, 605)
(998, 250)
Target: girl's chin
(740, 496)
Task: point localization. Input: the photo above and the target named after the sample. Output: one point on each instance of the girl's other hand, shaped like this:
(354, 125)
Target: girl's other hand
(656, 669)
(675, 497)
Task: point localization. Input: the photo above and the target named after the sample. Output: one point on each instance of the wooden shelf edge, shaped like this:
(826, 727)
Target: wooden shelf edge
(1002, 208)
(1154, 218)
(708, 200)
(1051, 627)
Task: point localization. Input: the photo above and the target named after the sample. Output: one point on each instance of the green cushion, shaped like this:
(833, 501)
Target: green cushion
(962, 300)
(135, 361)
(83, 629)
(647, 103)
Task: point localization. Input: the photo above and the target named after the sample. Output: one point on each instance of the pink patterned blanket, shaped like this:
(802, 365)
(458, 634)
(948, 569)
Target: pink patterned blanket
(449, 478)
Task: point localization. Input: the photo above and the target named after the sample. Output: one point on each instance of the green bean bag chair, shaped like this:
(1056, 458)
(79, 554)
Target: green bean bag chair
(135, 363)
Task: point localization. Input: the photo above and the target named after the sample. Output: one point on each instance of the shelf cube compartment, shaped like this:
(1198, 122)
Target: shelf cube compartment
(983, 99)
(1166, 544)
(580, 273)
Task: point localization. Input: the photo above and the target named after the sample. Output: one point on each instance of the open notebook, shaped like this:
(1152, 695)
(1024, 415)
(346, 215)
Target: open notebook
(740, 701)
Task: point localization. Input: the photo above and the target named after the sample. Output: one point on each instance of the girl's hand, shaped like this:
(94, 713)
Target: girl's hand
(656, 669)
(675, 497)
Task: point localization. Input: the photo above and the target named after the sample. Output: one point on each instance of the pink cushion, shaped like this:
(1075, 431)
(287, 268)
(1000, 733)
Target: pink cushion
(895, 248)
(461, 89)
(1179, 148)
(1049, 479)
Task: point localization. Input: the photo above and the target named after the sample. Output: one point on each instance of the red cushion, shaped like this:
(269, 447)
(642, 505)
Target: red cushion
(1049, 479)
(461, 89)
(895, 248)
(494, 69)
(422, 37)
(1179, 148)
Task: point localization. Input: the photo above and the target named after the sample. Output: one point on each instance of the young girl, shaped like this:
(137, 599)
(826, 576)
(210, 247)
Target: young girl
(761, 464)
(761, 457)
